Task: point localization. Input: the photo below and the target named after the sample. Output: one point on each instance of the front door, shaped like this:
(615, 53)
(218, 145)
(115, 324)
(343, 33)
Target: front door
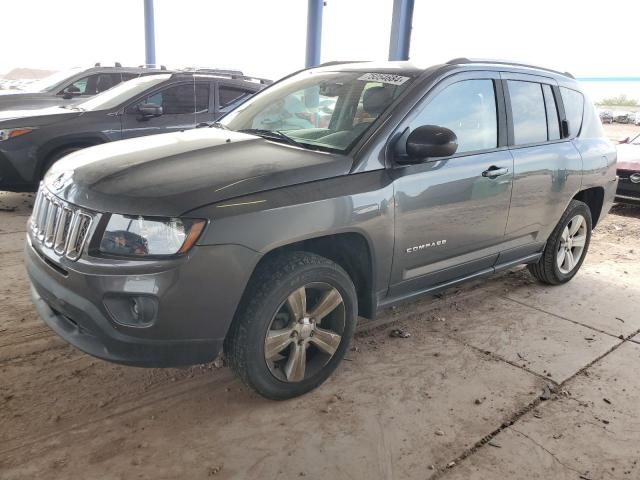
(178, 112)
(451, 212)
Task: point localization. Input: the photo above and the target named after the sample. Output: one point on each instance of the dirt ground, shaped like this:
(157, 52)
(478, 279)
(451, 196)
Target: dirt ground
(502, 379)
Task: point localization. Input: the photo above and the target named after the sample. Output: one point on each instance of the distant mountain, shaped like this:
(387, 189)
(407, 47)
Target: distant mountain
(26, 74)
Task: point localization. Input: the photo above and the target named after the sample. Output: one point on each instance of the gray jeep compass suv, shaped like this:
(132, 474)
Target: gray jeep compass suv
(333, 193)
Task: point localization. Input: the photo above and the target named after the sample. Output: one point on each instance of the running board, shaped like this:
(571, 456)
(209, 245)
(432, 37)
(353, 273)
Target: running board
(487, 272)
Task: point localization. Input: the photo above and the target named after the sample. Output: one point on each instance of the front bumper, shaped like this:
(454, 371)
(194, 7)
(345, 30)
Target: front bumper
(628, 191)
(197, 297)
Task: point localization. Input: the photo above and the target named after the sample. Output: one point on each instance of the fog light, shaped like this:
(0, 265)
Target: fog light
(132, 310)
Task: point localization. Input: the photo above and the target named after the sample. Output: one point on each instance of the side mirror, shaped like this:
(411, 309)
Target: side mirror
(430, 141)
(626, 140)
(70, 92)
(149, 110)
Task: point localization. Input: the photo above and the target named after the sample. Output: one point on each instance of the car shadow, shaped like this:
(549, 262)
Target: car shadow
(626, 210)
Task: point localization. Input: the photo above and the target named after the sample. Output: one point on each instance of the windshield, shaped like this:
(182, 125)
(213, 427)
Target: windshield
(319, 110)
(122, 92)
(52, 82)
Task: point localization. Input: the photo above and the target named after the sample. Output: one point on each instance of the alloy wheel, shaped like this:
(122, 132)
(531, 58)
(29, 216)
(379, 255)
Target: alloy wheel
(571, 245)
(305, 332)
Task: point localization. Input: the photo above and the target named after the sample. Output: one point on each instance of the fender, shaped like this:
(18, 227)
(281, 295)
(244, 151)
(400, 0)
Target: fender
(355, 203)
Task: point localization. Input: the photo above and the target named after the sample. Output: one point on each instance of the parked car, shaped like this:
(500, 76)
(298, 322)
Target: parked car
(629, 171)
(32, 140)
(623, 117)
(268, 243)
(68, 87)
(606, 116)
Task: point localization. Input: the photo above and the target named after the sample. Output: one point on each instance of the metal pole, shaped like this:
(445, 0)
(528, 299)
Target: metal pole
(401, 29)
(314, 32)
(149, 34)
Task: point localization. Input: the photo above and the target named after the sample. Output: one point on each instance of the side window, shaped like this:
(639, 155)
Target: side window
(78, 87)
(175, 100)
(129, 76)
(573, 108)
(553, 124)
(469, 109)
(105, 81)
(202, 97)
(528, 112)
(229, 95)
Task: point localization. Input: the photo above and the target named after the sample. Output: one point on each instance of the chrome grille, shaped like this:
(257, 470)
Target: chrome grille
(59, 225)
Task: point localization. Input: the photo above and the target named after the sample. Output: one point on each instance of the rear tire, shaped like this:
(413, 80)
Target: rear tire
(293, 326)
(566, 247)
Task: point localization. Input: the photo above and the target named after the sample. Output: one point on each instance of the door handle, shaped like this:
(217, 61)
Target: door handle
(493, 172)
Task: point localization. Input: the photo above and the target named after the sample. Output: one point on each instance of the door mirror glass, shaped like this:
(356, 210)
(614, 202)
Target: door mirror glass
(430, 141)
(149, 110)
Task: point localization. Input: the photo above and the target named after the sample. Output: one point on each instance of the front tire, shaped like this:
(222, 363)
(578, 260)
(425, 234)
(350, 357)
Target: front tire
(293, 326)
(566, 247)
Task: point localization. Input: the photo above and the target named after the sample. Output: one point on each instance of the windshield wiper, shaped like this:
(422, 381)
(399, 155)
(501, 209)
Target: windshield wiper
(272, 135)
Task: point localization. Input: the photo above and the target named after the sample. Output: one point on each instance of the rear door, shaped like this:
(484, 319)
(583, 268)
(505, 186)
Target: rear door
(451, 212)
(178, 111)
(547, 167)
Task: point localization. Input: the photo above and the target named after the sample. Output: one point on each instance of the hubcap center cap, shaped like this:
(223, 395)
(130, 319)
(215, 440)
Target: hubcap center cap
(305, 327)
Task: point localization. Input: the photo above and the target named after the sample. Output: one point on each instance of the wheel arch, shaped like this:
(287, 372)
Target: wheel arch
(50, 149)
(351, 250)
(594, 199)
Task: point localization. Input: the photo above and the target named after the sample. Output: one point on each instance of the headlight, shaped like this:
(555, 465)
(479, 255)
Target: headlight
(7, 133)
(147, 236)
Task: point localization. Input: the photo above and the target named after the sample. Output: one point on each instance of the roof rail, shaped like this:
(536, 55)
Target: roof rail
(232, 74)
(338, 62)
(464, 60)
(221, 71)
(152, 65)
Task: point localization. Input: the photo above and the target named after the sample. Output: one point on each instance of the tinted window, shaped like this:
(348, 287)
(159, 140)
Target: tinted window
(469, 109)
(129, 76)
(78, 87)
(528, 112)
(175, 100)
(229, 95)
(202, 97)
(104, 82)
(573, 109)
(553, 125)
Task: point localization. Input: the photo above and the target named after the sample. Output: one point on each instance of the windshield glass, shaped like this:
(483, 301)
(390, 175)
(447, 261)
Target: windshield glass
(50, 83)
(319, 110)
(122, 92)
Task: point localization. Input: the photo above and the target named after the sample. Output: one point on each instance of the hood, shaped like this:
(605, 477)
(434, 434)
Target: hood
(628, 156)
(35, 118)
(172, 173)
(16, 100)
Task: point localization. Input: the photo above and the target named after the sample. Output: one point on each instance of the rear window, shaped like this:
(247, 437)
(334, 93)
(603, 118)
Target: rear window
(573, 108)
(528, 112)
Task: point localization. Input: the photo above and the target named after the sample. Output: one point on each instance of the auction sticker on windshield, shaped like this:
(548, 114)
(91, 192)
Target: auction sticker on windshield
(384, 78)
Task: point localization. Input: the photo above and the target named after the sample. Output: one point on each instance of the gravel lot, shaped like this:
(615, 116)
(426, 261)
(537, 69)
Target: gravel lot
(500, 379)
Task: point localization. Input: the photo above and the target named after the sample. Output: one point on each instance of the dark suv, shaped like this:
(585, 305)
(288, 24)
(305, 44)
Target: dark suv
(67, 87)
(33, 140)
(268, 235)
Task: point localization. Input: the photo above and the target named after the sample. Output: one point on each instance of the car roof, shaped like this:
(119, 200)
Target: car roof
(463, 63)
